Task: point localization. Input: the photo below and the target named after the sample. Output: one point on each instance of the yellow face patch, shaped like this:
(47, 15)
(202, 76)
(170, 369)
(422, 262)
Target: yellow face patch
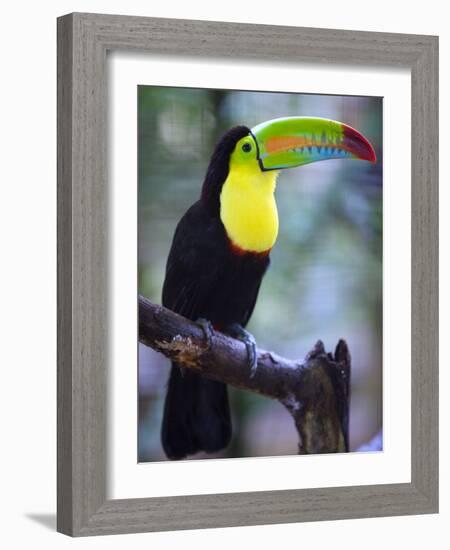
(247, 203)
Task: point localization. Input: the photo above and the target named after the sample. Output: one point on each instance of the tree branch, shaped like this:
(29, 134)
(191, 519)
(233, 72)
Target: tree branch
(315, 392)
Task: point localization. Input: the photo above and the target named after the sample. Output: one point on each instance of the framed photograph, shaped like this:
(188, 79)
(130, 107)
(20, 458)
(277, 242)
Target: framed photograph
(247, 334)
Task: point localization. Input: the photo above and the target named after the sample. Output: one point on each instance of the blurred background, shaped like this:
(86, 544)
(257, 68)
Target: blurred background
(325, 279)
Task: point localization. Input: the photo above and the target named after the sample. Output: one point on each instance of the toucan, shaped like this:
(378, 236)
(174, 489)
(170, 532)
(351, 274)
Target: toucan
(221, 251)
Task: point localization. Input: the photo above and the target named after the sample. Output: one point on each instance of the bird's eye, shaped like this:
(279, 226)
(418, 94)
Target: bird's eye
(247, 147)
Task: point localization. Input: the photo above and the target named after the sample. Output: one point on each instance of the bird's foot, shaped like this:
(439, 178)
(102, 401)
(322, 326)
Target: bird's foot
(235, 330)
(208, 331)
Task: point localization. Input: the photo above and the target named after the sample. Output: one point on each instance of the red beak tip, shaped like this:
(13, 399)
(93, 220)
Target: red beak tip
(372, 157)
(362, 148)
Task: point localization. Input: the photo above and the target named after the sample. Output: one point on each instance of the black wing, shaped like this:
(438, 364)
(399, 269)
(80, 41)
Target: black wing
(196, 410)
(193, 265)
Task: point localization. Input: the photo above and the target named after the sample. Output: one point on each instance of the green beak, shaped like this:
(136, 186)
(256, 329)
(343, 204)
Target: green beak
(294, 141)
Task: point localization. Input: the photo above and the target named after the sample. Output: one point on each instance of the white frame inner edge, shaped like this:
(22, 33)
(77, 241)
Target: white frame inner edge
(126, 477)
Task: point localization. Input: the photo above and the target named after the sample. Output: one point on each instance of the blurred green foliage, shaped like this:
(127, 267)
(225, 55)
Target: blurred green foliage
(325, 280)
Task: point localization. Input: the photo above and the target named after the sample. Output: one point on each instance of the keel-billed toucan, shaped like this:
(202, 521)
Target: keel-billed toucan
(220, 252)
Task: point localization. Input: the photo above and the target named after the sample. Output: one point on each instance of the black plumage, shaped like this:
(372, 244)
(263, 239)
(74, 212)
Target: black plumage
(206, 278)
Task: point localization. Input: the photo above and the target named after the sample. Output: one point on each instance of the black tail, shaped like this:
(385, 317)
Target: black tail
(196, 415)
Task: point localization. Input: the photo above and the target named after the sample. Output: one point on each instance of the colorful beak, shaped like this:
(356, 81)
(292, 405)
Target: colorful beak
(294, 141)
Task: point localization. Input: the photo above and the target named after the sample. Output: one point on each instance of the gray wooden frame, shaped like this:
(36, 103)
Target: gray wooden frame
(83, 40)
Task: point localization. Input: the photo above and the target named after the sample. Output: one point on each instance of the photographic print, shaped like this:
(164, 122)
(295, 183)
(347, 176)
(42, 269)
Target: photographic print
(247, 231)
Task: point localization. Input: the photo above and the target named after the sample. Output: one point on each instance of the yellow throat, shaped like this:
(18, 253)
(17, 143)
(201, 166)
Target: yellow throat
(247, 207)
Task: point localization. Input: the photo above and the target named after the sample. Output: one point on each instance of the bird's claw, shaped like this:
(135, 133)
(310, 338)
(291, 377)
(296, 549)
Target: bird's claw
(207, 329)
(236, 331)
(252, 357)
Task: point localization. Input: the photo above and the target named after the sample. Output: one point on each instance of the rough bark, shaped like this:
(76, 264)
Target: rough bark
(315, 391)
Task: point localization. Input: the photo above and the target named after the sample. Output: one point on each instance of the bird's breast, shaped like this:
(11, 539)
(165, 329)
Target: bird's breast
(249, 213)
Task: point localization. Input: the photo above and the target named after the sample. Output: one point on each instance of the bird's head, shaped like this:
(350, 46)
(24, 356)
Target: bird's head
(242, 172)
